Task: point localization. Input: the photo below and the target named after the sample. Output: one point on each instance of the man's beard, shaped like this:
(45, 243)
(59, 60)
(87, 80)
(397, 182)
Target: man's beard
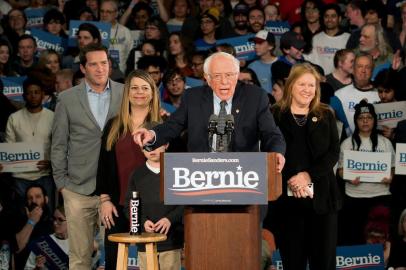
(241, 26)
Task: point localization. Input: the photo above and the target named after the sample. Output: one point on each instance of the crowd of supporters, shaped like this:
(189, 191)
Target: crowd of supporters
(358, 47)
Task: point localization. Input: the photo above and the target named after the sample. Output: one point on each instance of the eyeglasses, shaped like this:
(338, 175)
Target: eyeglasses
(197, 64)
(248, 81)
(311, 10)
(175, 80)
(58, 221)
(362, 118)
(151, 28)
(218, 76)
(107, 11)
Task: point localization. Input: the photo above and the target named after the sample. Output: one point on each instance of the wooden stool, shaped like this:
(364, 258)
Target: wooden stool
(150, 240)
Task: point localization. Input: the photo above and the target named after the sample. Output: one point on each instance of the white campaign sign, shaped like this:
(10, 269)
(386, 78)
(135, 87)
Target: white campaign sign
(20, 157)
(400, 158)
(369, 166)
(389, 114)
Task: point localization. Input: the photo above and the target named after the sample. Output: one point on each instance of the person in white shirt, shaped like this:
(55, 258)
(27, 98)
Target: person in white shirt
(330, 40)
(346, 98)
(360, 196)
(33, 124)
(120, 36)
(60, 237)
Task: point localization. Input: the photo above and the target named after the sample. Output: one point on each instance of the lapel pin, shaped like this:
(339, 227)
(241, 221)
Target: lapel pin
(314, 119)
(237, 111)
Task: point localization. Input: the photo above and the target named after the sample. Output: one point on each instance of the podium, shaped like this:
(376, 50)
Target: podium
(221, 237)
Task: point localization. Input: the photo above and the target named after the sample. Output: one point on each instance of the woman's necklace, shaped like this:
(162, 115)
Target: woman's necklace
(301, 120)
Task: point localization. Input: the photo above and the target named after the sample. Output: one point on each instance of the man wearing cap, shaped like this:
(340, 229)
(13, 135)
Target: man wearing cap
(330, 40)
(292, 47)
(209, 22)
(264, 48)
(240, 17)
(191, 25)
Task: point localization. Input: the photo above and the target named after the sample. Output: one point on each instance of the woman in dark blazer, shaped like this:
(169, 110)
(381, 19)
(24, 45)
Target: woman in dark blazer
(120, 156)
(307, 216)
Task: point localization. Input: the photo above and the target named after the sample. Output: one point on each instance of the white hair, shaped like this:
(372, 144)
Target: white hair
(208, 60)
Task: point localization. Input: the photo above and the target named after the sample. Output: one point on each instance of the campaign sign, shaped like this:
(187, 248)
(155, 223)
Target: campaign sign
(21, 157)
(244, 49)
(400, 167)
(138, 37)
(349, 257)
(56, 258)
(369, 166)
(13, 87)
(173, 28)
(389, 114)
(215, 178)
(132, 258)
(103, 27)
(193, 82)
(46, 40)
(35, 17)
(277, 28)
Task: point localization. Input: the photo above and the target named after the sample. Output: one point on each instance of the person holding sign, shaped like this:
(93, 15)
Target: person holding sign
(307, 210)
(33, 124)
(41, 257)
(362, 196)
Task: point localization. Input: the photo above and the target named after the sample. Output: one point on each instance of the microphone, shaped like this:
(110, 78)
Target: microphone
(212, 128)
(213, 123)
(229, 119)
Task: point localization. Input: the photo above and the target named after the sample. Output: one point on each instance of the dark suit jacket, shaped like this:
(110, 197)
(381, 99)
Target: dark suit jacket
(252, 120)
(323, 143)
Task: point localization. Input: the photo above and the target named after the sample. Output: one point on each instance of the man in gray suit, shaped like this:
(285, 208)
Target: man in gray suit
(80, 116)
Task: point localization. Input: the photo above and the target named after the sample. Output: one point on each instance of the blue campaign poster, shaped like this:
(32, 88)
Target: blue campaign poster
(35, 17)
(104, 29)
(56, 258)
(368, 257)
(13, 87)
(46, 40)
(243, 47)
(277, 28)
(132, 258)
(192, 82)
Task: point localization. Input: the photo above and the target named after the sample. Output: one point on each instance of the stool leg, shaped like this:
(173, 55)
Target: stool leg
(122, 256)
(152, 256)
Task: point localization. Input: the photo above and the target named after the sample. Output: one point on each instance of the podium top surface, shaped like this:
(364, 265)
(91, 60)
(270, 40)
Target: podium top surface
(135, 239)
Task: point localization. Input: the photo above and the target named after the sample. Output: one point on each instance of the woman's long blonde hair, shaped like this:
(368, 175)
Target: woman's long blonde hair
(316, 107)
(122, 123)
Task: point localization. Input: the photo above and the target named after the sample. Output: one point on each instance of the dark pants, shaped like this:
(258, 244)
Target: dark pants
(307, 237)
(110, 248)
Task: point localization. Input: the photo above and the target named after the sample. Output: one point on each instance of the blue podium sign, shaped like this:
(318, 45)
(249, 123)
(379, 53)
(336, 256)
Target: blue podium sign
(216, 178)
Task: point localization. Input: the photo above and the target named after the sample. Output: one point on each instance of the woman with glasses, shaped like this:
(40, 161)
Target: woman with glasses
(360, 197)
(59, 238)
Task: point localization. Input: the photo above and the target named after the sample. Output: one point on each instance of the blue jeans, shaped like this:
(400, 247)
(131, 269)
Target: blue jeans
(21, 185)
